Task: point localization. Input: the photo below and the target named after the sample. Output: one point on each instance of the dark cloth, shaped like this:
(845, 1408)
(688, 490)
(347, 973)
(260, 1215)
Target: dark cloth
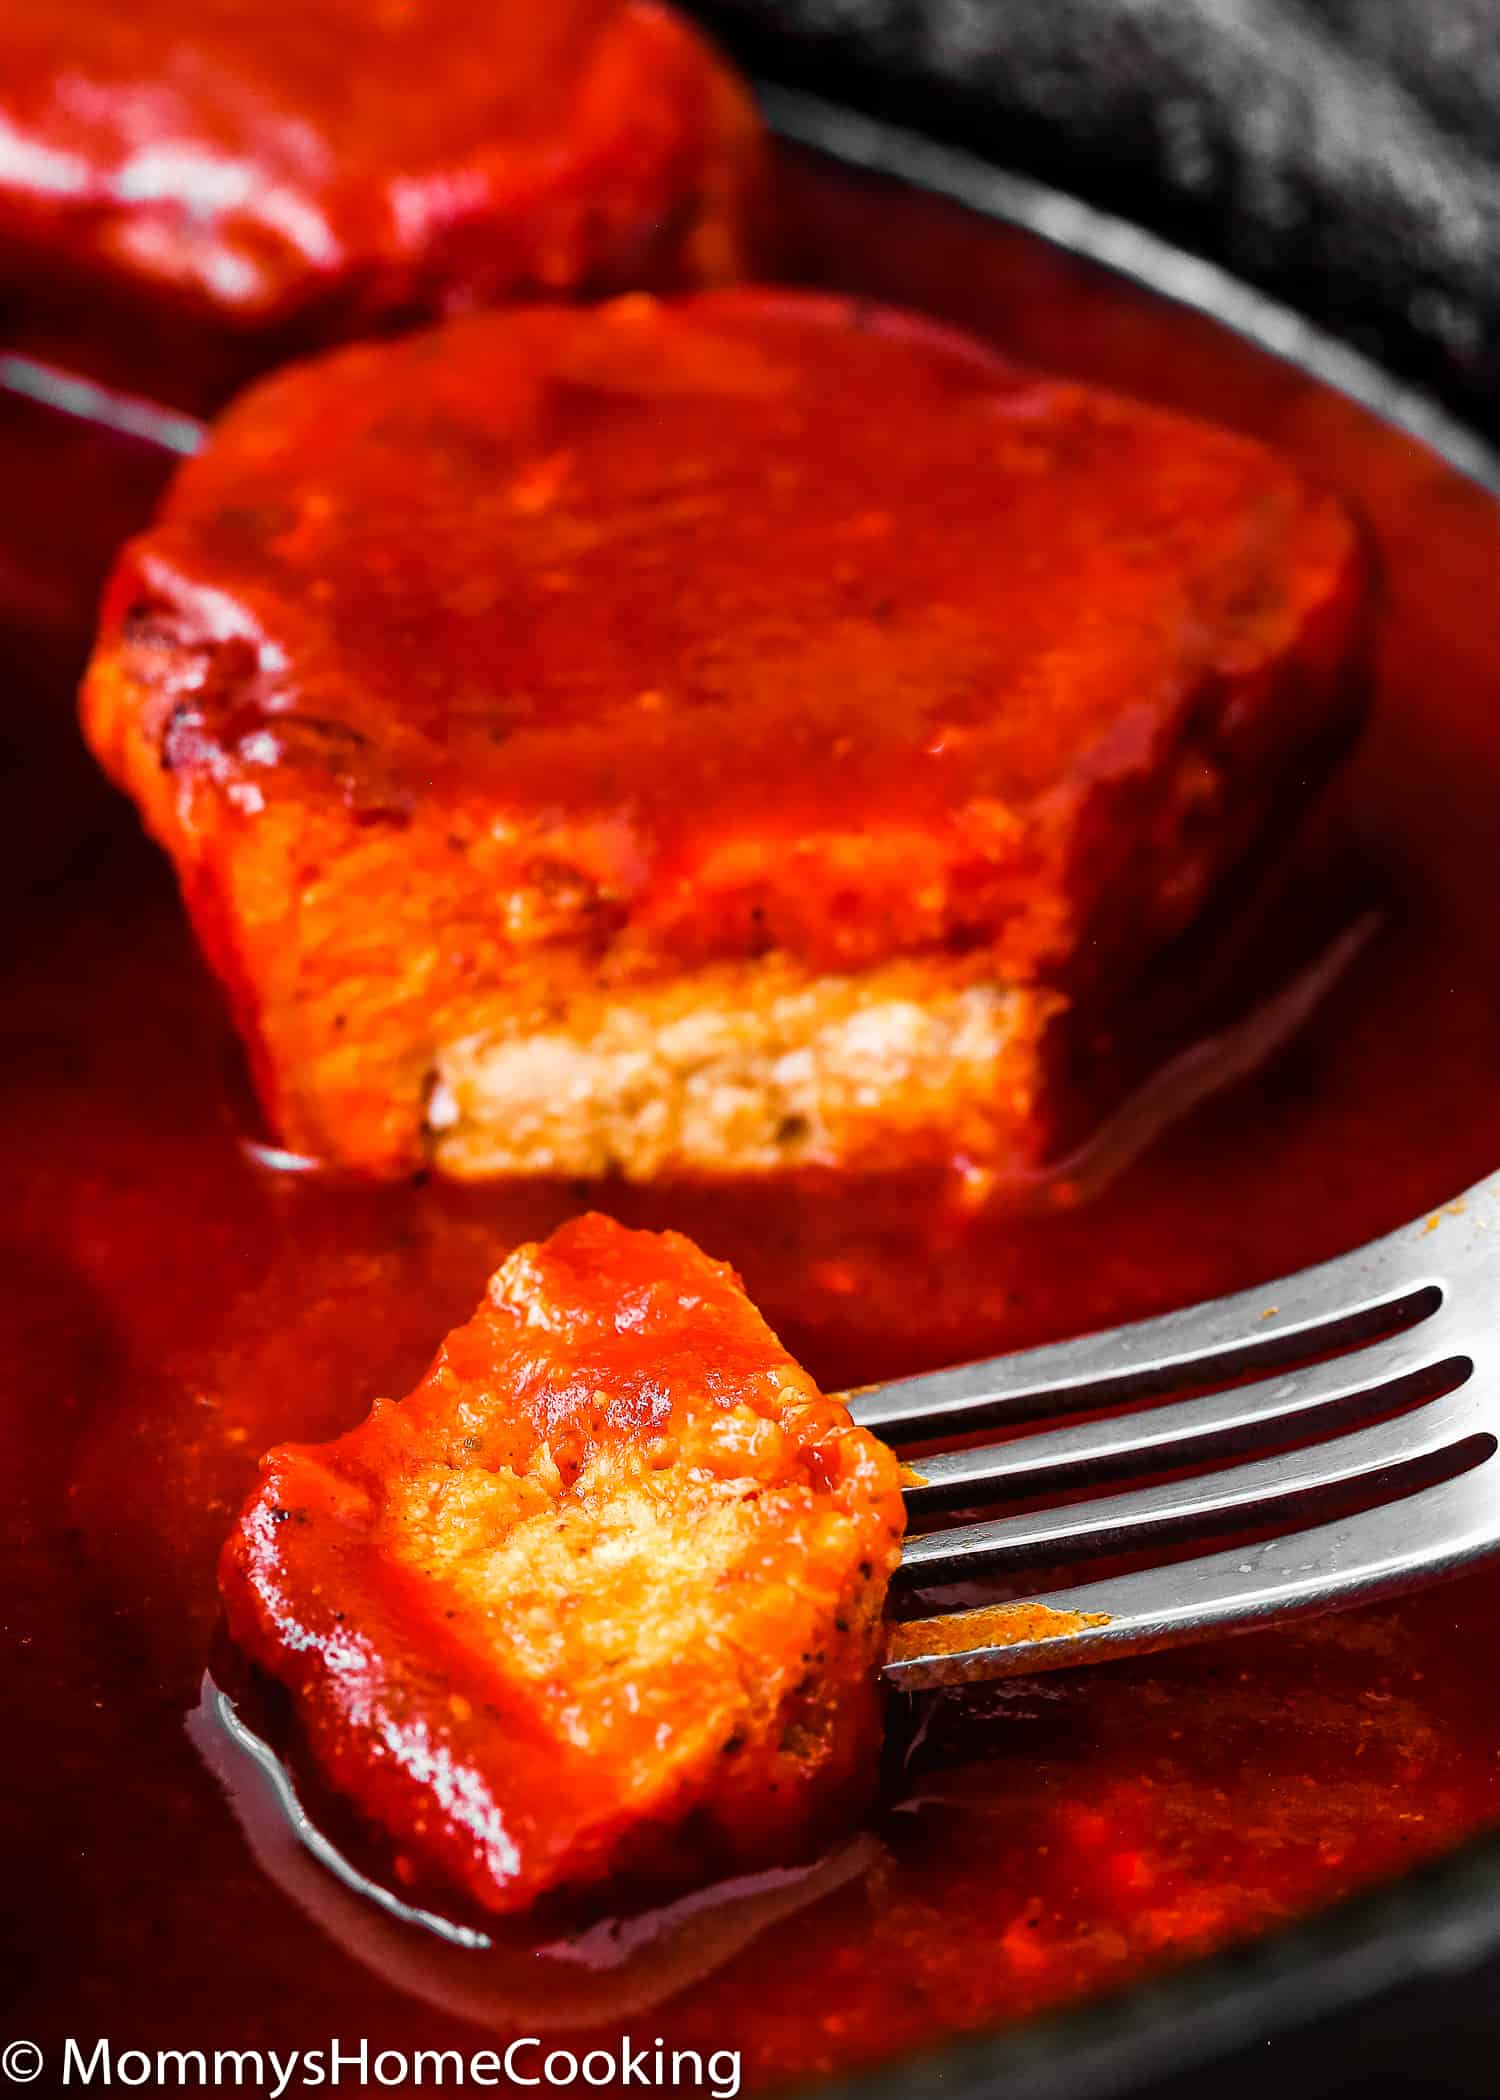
(1345, 154)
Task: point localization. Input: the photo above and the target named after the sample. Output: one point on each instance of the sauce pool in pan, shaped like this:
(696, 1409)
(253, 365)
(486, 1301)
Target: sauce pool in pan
(176, 1306)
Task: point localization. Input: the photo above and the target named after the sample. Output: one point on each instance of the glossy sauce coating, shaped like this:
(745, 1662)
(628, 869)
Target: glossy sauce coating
(603, 1594)
(558, 649)
(176, 1309)
(235, 182)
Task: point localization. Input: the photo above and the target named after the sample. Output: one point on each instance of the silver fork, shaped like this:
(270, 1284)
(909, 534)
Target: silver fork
(1374, 1376)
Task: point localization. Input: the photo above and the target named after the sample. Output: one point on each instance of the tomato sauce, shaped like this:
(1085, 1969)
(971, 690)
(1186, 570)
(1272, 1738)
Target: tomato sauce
(176, 1304)
(205, 177)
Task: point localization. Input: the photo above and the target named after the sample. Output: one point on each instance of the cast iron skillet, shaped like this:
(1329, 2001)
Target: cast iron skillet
(1387, 1991)
(1327, 1990)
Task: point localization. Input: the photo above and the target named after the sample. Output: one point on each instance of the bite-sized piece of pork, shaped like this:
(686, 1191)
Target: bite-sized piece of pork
(190, 194)
(602, 1596)
(708, 736)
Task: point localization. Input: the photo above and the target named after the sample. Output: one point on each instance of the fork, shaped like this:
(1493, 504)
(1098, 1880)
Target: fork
(1370, 1377)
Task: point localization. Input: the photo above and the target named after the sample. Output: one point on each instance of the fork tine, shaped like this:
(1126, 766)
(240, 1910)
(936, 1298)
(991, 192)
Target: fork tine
(1307, 1315)
(1376, 1553)
(1239, 1493)
(1385, 1374)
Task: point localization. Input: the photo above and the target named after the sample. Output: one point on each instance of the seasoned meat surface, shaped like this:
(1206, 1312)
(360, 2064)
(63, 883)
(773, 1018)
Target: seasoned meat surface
(216, 184)
(603, 1594)
(711, 734)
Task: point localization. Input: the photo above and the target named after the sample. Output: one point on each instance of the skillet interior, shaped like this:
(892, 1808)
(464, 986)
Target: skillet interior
(115, 1605)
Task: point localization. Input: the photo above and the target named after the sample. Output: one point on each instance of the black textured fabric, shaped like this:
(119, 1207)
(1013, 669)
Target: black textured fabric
(1343, 153)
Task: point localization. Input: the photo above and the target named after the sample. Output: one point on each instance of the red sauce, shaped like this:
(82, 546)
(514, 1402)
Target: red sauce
(178, 1307)
(204, 178)
(768, 702)
(679, 1677)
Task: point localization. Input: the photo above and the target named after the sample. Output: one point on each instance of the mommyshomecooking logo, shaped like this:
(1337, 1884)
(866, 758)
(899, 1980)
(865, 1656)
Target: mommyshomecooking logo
(522, 2064)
